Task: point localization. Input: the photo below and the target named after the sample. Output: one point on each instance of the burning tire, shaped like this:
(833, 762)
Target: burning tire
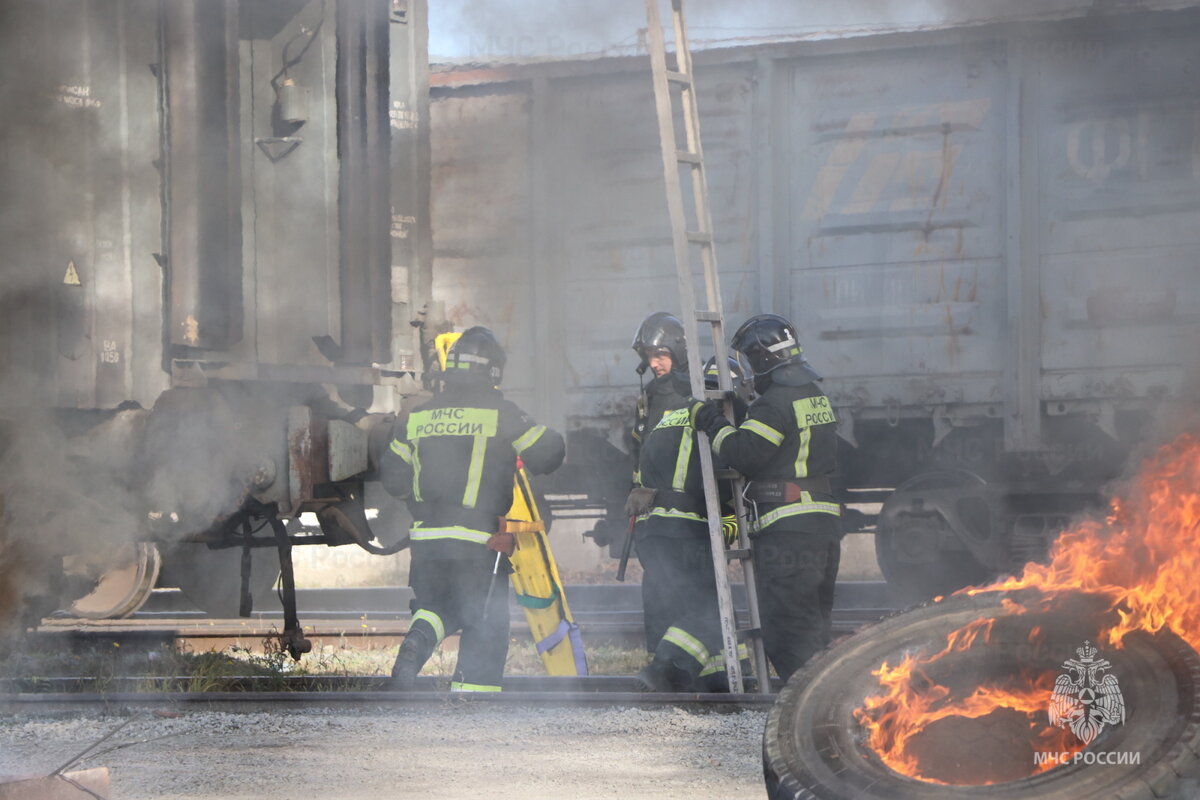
(814, 747)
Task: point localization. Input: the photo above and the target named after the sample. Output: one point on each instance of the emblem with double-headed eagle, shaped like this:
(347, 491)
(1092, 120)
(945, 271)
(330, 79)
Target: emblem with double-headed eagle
(1085, 698)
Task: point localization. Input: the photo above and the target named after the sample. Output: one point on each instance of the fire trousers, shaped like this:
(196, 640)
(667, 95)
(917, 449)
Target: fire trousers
(679, 571)
(796, 572)
(449, 596)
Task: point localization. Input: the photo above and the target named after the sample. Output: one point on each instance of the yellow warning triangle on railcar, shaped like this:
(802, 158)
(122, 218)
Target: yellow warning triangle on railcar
(535, 578)
(539, 589)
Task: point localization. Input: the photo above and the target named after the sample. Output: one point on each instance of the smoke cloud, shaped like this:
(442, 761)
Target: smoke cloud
(507, 30)
(64, 494)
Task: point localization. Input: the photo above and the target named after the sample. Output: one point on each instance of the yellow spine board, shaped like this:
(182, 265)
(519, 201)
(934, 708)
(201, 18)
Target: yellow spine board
(539, 588)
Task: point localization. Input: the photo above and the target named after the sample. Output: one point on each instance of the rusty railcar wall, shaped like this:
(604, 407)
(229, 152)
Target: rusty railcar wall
(993, 225)
(185, 202)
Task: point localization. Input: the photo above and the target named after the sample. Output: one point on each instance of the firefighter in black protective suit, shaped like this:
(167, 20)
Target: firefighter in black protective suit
(454, 459)
(662, 347)
(786, 448)
(675, 550)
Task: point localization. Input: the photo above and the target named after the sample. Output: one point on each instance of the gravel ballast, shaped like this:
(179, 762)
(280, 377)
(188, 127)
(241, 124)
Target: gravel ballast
(457, 750)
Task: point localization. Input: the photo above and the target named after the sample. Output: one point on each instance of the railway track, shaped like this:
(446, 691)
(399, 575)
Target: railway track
(607, 613)
(373, 618)
(519, 690)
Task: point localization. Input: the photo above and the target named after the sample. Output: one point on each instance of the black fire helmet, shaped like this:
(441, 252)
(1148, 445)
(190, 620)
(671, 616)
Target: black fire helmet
(476, 357)
(661, 330)
(768, 341)
(740, 374)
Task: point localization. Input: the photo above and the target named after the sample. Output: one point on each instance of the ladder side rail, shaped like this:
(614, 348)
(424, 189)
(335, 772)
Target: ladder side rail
(700, 196)
(683, 50)
(711, 279)
(758, 647)
(666, 129)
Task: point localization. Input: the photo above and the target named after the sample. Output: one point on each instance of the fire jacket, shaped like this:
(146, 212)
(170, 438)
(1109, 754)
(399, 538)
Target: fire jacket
(660, 396)
(790, 431)
(669, 462)
(454, 458)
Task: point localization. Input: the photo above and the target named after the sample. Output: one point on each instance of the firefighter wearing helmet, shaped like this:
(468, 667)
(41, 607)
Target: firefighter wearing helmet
(662, 347)
(673, 546)
(662, 351)
(453, 459)
(786, 448)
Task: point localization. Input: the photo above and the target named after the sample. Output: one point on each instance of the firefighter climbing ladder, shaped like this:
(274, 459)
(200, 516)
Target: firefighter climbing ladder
(684, 239)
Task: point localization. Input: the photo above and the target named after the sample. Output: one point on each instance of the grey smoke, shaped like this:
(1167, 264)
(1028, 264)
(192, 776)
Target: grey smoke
(521, 29)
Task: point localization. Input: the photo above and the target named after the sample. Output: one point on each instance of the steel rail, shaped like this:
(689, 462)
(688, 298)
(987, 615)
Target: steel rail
(243, 684)
(619, 626)
(10, 703)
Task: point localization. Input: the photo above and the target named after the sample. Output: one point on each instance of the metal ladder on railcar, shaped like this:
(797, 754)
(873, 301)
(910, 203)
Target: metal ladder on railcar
(684, 238)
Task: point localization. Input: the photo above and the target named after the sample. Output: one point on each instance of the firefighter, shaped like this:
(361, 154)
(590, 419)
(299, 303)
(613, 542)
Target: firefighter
(786, 449)
(662, 347)
(674, 549)
(453, 459)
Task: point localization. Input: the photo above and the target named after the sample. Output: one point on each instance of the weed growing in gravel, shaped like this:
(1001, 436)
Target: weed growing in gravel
(106, 668)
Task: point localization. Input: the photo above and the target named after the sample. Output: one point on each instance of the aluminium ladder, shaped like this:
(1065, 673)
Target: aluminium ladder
(684, 238)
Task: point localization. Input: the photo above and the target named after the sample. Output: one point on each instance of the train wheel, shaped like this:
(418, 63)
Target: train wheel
(212, 579)
(122, 590)
(920, 556)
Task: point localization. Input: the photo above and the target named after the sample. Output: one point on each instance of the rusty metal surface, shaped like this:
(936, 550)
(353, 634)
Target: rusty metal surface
(892, 248)
(307, 456)
(912, 201)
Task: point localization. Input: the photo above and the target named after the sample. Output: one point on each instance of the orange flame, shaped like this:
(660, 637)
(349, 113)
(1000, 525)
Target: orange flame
(1142, 559)
(1144, 556)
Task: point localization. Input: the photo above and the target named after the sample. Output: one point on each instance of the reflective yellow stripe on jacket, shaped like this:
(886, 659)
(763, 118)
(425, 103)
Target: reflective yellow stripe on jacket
(420, 534)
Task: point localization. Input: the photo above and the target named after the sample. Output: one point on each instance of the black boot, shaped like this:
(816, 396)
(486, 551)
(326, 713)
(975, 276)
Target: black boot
(664, 675)
(414, 652)
(718, 682)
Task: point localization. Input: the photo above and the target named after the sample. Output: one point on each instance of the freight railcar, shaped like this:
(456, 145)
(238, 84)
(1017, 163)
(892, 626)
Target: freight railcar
(988, 236)
(211, 245)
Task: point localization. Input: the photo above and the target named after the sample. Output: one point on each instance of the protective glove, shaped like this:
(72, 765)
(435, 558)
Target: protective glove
(708, 417)
(639, 502)
(729, 527)
(502, 542)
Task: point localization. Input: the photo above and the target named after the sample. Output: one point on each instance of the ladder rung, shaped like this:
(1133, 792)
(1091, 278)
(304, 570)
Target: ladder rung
(714, 394)
(699, 237)
(682, 78)
(685, 157)
(749, 633)
(737, 555)
(704, 315)
(726, 474)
